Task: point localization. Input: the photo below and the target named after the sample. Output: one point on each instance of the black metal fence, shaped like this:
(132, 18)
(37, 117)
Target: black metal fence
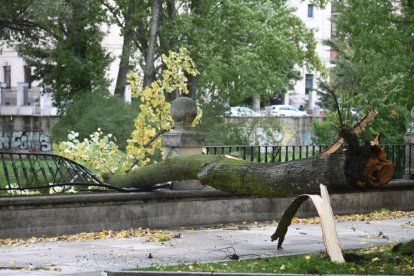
(39, 173)
(278, 154)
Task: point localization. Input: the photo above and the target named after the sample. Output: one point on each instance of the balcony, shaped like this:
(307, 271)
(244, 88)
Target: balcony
(23, 101)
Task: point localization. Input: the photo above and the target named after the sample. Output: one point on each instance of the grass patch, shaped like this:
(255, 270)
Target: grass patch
(379, 260)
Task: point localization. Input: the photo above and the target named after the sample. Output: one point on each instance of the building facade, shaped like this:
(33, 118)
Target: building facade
(305, 90)
(19, 95)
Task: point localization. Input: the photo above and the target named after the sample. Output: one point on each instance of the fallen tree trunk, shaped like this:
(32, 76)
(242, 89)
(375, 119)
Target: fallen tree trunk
(238, 176)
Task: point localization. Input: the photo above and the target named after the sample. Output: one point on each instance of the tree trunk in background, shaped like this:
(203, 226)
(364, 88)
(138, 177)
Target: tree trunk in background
(149, 73)
(124, 64)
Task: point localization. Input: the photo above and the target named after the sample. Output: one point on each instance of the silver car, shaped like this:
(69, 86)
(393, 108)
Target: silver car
(241, 111)
(286, 111)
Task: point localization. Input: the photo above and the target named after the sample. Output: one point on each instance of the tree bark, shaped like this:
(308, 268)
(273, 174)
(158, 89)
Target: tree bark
(239, 176)
(149, 74)
(124, 64)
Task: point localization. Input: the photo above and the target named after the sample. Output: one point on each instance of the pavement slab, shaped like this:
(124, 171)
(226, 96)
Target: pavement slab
(92, 257)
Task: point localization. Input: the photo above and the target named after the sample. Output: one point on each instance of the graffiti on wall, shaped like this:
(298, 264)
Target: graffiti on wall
(24, 140)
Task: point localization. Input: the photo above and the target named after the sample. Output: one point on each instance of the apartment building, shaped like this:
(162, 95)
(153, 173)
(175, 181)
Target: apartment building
(305, 91)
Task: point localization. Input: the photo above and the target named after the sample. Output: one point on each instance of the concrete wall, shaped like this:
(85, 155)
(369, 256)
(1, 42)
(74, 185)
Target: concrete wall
(275, 130)
(54, 215)
(26, 133)
(32, 133)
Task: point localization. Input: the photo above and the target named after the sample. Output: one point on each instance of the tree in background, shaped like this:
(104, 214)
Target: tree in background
(62, 41)
(375, 66)
(245, 48)
(242, 48)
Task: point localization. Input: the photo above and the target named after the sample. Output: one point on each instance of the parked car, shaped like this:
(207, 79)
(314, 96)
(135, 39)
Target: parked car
(286, 111)
(241, 111)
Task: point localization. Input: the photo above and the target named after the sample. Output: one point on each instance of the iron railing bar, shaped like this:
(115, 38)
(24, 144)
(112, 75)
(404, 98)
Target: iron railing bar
(16, 173)
(84, 172)
(52, 172)
(280, 154)
(287, 154)
(66, 161)
(26, 176)
(6, 171)
(409, 159)
(32, 168)
(41, 168)
(87, 172)
(58, 167)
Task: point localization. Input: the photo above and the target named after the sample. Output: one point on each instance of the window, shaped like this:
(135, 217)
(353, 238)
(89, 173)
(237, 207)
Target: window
(308, 83)
(7, 76)
(310, 10)
(28, 76)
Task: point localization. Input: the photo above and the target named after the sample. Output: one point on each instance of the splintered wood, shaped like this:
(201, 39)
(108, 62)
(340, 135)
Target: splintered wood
(358, 128)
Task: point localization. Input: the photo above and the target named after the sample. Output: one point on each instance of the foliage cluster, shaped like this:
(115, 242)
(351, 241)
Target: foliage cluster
(88, 112)
(264, 40)
(374, 69)
(154, 116)
(242, 48)
(100, 152)
(62, 41)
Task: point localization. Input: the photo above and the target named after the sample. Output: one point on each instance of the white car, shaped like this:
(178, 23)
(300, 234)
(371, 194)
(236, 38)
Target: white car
(286, 111)
(241, 111)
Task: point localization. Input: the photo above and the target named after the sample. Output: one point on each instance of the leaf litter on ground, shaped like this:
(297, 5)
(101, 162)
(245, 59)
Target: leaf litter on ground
(164, 235)
(151, 235)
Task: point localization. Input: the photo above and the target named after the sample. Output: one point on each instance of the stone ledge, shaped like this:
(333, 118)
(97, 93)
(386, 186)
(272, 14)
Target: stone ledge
(165, 194)
(66, 214)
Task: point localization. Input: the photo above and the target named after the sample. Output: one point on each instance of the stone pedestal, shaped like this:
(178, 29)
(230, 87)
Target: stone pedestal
(183, 141)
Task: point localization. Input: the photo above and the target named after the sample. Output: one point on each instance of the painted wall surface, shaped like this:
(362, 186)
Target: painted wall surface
(26, 133)
(275, 130)
(32, 133)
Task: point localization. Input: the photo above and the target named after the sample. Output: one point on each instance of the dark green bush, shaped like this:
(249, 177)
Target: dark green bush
(90, 111)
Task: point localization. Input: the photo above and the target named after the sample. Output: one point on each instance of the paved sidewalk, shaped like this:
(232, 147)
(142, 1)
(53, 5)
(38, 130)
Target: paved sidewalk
(201, 245)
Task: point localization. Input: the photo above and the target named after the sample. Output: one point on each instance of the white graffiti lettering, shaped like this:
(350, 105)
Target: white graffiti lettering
(22, 140)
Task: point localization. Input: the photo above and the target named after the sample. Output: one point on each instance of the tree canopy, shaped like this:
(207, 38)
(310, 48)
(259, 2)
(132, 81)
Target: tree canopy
(246, 48)
(62, 41)
(375, 65)
(241, 48)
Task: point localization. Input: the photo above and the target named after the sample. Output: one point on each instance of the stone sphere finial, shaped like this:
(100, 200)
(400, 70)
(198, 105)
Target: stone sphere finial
(183, 111)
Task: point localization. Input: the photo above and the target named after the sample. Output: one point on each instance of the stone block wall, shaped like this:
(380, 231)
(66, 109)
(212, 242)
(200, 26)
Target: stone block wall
(26, 133)
(275, 130)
